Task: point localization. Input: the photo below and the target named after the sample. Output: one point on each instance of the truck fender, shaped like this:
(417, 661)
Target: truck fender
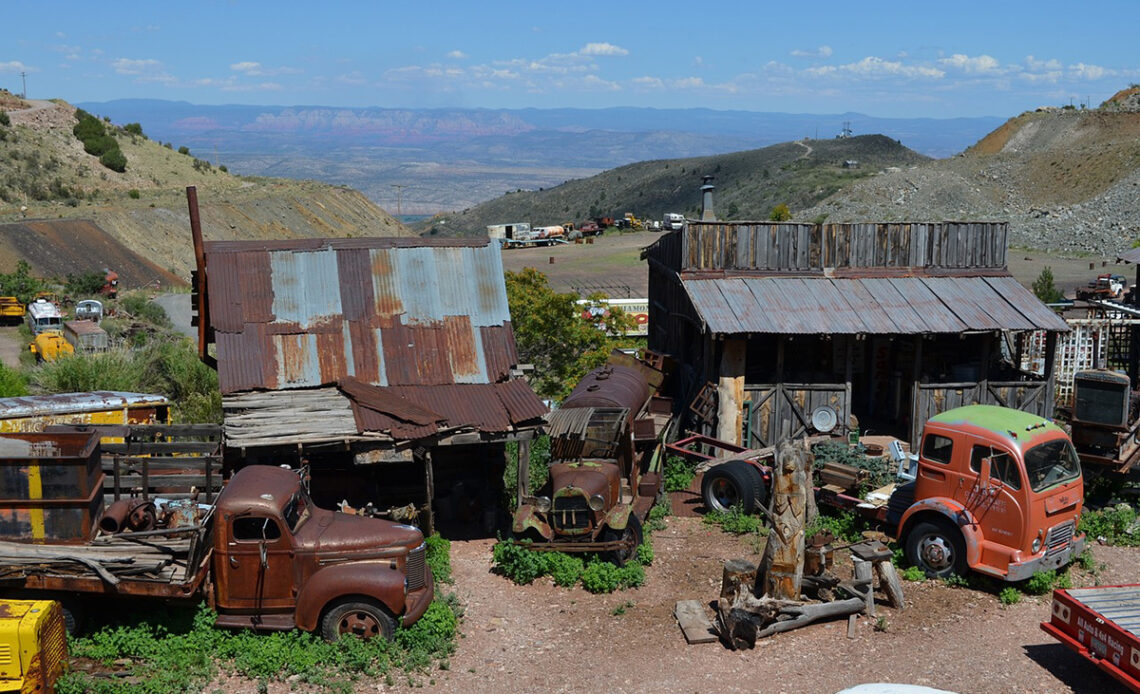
(378, 580)
(952, 512)
(618, 517)
(527, 518)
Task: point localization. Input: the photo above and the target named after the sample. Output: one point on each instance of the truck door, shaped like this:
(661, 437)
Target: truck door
(999, 505)
(258, 566)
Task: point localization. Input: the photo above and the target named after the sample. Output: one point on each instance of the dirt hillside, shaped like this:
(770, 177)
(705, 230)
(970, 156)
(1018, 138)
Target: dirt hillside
(1065, 179)
(45, 174)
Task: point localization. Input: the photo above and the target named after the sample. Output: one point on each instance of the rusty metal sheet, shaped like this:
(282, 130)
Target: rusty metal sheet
(486, 407)
(521, 402)
(499, 351)
(387, 402)
(867, 305)
(306, 286)
(93, 401)
(1021, 299)
(1132, 255)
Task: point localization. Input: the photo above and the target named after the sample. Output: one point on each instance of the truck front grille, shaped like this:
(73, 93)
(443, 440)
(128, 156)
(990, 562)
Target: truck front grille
(1059, 538)
(570, 513)
(417, 559)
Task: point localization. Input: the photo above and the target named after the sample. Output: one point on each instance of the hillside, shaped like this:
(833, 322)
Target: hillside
(749, 184)
(45, 174)
(1066, 180)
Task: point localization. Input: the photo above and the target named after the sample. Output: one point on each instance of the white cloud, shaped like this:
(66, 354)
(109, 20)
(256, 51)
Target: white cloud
(247, 67)
(15, 66)
(457, 55)
(1082, 71)
(128, 66)
(602, 49)
(1037, 65)
(983, 64)
(821, 52)
(255, 69)
(873, 67)
(648, 82)
(687, 83)
(260, 87)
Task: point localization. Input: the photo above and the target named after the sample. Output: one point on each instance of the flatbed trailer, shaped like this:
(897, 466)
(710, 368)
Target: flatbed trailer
(1102, 624)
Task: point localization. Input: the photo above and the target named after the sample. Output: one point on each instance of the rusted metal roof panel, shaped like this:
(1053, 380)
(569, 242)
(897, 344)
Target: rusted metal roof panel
(521, 402)
(93, 401)
(871, 305)
(1132, 255)
(1022, 300)
(389, 312)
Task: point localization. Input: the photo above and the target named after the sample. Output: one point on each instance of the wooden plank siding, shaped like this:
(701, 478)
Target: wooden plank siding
(798, 247)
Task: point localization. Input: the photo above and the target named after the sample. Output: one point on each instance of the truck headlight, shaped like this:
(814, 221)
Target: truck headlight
(597, 502)
(542, 503)
(1036, 544)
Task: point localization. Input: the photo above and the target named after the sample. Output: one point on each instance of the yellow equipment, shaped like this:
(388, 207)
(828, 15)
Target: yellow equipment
(33, 645)
(51, 345)
(11, 309)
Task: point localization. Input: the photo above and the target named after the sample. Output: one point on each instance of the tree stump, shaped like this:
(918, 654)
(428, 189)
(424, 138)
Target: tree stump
(738, 574)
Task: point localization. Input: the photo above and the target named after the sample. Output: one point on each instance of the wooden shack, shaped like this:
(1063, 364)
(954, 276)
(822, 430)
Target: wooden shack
(885, 325)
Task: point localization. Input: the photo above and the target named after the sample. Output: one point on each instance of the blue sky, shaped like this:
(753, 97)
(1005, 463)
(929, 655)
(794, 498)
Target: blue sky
(892, 59)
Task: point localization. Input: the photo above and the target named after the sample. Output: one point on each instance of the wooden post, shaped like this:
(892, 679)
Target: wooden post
(730, 390)
(523, 486)
(865, 582)
(429, 491)
(889, 582)
(739, 574)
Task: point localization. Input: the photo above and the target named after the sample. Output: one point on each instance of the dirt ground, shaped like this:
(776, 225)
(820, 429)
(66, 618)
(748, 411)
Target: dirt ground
(540, 637)
(611, 263)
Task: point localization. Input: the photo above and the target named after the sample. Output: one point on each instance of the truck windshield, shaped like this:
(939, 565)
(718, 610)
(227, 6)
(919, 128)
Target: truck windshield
(1051, 463)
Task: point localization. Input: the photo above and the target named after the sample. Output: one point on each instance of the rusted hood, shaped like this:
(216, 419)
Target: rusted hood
(592, 477)
(332, 532)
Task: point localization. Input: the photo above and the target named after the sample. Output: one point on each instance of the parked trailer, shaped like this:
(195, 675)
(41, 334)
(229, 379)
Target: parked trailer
(262, 554)
(85, 337)
(1102, 624)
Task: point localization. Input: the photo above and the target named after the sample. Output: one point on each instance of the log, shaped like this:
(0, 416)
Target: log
(806, 614)
(891, 585)
(738, 574)
(865, 583)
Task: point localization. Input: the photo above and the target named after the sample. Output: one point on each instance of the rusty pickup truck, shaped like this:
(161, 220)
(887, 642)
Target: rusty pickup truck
(262, 555)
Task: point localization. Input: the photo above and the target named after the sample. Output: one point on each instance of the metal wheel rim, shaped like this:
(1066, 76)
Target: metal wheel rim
(936, 552)
(361, 624)
(724, 493)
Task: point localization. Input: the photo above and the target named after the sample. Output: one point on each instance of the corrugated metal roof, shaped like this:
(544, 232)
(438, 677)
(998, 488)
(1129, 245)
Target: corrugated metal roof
(1132, 255)
(412, 412)
(390, 312)
(93, 401)
(878, 305)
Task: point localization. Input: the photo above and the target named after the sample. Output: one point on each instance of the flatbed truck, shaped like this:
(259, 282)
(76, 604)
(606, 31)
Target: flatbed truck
(1102, 624)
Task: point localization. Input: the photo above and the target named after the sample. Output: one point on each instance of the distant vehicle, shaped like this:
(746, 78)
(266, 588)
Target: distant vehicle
(43, 315)
(589, 228)
(50, 345)
(89, 310)
(673, 221)
(11, 310)
(110, 287)
(85, 336)
(1106, 286)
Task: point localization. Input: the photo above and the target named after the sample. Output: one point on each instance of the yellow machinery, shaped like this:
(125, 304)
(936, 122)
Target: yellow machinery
(11, 310)
(33, 645)
(51, 345)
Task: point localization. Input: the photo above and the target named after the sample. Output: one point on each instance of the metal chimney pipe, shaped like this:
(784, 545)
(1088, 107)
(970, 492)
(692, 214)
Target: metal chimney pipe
(707, 214)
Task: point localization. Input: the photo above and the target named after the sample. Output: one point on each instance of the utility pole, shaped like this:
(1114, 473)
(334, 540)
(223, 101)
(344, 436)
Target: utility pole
(24, 81)
(399, 197)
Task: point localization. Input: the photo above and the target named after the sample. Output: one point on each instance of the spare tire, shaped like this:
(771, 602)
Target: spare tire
(735, 483)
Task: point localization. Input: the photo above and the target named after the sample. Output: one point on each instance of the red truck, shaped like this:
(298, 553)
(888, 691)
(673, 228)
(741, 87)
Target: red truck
(995, 490)
(262, 555)
(1100, 624)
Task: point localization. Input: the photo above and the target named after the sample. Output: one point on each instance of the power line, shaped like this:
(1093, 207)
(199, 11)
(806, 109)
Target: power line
(399, 197)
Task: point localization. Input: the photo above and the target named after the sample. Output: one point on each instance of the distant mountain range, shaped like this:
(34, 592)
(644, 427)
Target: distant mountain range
(422, 161)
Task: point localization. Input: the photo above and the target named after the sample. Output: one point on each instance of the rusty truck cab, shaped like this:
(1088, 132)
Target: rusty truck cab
(282, 563)
(998, 491)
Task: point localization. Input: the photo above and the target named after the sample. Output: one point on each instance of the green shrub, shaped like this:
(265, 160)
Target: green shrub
(564, 569)
(631, 575)
(645, 552)
(1040, 583)
(1009, 596)
(846, 526)
(601, 577)
(679, 474)
(85, 284)
(184, 150)
(517, 563)
(4, 119)
(114, 160)
(734, 521)
(1117, 525)
(656, 519)
(439, 558)
(913, 573)
(100, 145)
(139, 306)
(133, 194)
(134, 129)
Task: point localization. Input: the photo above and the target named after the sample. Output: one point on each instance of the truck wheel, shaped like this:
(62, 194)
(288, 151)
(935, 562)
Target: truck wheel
(937, 549)
(363, 618)
(631, 531)
(735, 483)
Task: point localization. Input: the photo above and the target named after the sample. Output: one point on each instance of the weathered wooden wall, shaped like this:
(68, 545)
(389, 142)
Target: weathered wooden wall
(784, 246)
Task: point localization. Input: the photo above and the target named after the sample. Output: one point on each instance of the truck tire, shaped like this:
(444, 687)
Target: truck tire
(937, 548)
(362, 617)
(631, 531)
(735, 483)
